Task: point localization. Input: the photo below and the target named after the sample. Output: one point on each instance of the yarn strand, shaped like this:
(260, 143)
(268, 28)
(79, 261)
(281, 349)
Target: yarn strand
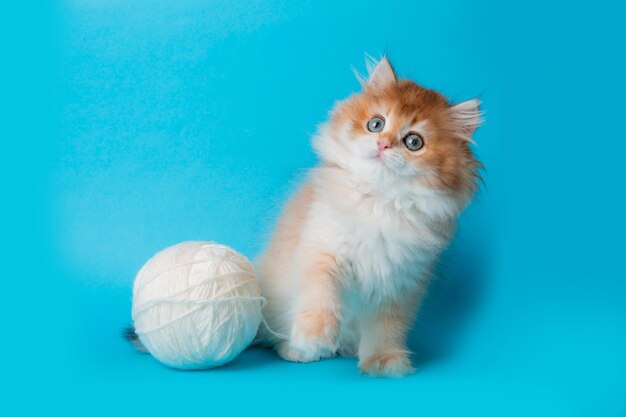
(143, 307)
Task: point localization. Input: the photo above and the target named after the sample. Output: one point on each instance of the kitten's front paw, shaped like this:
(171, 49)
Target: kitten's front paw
(286, 352)
(388, 365)
(314, 335)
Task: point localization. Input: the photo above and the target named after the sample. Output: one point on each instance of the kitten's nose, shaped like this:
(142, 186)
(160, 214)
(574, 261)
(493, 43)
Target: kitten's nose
(382, 145)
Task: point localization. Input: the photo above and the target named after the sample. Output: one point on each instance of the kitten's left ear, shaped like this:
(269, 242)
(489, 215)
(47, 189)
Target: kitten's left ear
(380, 73)
(466, 117)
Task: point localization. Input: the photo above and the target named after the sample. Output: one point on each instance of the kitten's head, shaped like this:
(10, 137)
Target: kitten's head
(403, 132)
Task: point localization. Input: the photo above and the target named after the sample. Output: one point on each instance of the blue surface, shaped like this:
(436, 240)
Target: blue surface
(129, 126)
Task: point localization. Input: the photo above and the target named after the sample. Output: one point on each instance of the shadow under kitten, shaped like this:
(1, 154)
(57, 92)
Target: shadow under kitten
(453, 297)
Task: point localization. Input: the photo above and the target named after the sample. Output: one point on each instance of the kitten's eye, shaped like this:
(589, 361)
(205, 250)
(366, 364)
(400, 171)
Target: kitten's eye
(413, 142)
(376, 124)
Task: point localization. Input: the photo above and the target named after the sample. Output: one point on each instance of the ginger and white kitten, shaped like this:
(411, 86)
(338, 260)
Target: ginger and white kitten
(354, 250)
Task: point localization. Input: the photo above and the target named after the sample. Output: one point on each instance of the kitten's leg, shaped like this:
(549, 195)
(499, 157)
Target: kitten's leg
(383, 350)
(316, 323)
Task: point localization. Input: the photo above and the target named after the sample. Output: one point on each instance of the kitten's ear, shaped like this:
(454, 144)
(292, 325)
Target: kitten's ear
(466, 117)
(380, 72)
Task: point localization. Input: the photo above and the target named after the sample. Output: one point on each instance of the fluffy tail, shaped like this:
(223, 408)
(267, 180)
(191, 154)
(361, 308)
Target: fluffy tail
(132, 337)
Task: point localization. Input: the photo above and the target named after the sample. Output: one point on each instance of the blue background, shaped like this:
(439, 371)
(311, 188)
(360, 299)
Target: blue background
(128, 126)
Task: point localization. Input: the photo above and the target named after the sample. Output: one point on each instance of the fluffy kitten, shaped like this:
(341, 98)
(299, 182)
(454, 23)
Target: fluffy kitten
(353, 253)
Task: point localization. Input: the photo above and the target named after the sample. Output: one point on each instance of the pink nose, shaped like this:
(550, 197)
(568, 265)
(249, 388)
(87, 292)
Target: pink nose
(382, 145)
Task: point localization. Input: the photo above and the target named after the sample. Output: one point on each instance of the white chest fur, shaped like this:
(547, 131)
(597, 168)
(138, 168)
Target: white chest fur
(384, 242)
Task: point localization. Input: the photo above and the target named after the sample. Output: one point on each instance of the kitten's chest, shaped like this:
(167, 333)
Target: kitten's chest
(385, 246)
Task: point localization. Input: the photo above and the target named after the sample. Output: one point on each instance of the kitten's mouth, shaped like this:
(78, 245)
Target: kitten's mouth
(381, 160)
(381, 157)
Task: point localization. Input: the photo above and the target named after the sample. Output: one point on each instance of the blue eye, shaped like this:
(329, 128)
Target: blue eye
(413, 142)
(376, 124)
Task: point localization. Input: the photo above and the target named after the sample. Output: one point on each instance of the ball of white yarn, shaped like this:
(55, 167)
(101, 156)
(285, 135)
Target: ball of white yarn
(196, 305)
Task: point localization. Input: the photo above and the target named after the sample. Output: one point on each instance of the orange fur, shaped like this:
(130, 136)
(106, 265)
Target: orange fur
(318, 324)
(319, 305)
